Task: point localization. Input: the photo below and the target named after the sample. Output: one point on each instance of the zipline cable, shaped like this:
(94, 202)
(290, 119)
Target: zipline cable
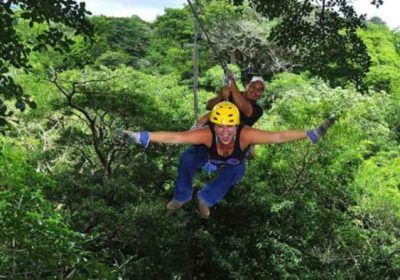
(196, 16)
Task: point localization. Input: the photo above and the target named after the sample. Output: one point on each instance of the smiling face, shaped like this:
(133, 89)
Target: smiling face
(254, 90)
(225, 133)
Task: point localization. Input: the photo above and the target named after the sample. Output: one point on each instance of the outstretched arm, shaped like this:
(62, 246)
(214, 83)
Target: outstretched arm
(256, 136)
(196, 137)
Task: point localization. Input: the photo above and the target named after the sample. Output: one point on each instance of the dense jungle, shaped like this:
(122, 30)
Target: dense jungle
(76, 203)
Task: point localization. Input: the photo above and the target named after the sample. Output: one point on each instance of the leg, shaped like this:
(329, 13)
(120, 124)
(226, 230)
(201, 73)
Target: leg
(191, 161)
(219, 187)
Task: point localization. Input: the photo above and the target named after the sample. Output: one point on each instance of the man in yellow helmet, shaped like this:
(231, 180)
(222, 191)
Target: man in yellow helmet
(226, 141)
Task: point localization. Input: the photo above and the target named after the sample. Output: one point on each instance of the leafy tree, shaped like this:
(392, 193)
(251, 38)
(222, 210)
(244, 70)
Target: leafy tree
(170, 50)
(213, 78)
(36, 240)
(175, 24)
(377, 181)
(127, 98)
(377, 21)
(322, 34)
(104, 100)
(15, 52)
(393, 117)
(127, 38)
(383, 48)
(302, 211)
(384, 72)
(95, 103)
(397, 40)
(80, 51)
(239, 35)
(378, 211)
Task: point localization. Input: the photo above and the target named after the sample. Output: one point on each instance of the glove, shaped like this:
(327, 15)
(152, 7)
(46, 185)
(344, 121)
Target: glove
(315, 134)
(141, 138)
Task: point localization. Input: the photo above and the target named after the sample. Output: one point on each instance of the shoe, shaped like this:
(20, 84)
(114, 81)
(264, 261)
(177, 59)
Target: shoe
(173, 205)
(204, 211)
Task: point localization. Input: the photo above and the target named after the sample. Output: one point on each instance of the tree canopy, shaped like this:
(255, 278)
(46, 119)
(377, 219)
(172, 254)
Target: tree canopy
(14, 52)
(323, 35)
(76, 203)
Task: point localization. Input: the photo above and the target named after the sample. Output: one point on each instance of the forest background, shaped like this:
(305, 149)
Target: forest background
(75, 203)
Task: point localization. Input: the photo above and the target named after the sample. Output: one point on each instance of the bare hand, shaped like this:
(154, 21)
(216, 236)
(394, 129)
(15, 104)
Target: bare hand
(225, 92)
(230, 75)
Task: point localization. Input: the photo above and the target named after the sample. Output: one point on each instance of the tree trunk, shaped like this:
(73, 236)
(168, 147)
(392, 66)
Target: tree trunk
(196, 38)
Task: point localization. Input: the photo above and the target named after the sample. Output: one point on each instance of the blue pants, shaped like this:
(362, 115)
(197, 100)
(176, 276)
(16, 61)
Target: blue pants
(191, 161)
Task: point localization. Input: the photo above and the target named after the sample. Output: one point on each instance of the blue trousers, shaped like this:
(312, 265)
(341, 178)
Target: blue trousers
(191, 161)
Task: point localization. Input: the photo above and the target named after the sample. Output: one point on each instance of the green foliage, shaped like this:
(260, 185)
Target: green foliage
(126, 40)
(280, 85)
(168, 57)
(36, 241)
(396, 35)
(79, 51)
(325, 40)
(170, 49)
(378, 180)
(42, 93)
(14, 51)
(213, 79)
(175, 24)
(138, 99)
(381, 43)
(114, 59)
(131, 35)
(76, 203)
(240, 36)
(378, 210)
(393, 117)
(377, 21)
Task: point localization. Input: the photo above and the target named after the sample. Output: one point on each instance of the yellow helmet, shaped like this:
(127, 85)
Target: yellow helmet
(225, 113)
